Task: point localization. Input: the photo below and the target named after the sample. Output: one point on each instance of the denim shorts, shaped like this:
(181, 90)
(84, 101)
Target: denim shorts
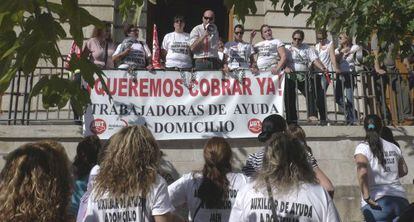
(390, 207)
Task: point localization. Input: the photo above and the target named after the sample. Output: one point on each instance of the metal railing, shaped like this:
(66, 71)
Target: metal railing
(313, 94)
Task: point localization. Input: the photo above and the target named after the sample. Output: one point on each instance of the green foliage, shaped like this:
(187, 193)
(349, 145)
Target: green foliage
(29, 31)
(392, 20)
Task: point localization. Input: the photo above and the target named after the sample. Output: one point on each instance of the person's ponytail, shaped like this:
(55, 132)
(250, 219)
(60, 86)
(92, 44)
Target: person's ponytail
(373, 126)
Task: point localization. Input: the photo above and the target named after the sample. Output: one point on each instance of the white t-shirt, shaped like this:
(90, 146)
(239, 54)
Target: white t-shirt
(238, 54)
(183, 191)
(84, 200)
(137, 56)
(347, 62)
(208, 48)
(309, 203)
(267, 54)
(324, 55)
(157, 202)
(382, 182)
(177, 46)
(300, 58)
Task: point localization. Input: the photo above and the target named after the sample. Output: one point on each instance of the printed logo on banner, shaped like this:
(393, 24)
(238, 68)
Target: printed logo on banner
(98, 126)
(254, 125)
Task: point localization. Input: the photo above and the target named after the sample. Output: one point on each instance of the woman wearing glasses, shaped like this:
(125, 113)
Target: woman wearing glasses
(238, 54)
(300, 58)
(176, 46)
(132, 53)
(344, 88)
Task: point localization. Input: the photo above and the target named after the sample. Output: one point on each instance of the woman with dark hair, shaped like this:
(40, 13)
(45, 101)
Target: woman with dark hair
(270, 125)
(209, 195)
(102, 47)
(128, 185)
(132, 53)
(300, 58)
(386, 134)
(298, 133)
(35, 183)
(271, 52)
(380, 164)
(86, 157)
(285, 188)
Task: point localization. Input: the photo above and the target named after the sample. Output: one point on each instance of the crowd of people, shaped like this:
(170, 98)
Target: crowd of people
(203, 49)
(121, 180)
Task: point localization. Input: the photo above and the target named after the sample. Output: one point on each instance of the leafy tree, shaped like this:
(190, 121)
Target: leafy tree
(30, 30)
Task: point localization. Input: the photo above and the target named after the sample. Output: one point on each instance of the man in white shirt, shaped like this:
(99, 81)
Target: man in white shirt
(204, 40)
(176, 46)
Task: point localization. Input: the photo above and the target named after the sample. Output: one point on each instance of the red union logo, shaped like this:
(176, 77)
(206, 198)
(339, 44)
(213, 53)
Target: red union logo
(254, 125)
(98, 126)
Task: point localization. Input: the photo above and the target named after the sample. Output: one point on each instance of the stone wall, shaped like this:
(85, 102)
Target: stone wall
(333, 147)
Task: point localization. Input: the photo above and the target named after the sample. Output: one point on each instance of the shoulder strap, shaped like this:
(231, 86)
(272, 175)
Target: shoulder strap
(272, 201)
(143, 208)
(196, 211)
(106, 54)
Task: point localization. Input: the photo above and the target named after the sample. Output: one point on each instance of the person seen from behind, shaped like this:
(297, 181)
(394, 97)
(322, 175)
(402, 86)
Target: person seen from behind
(86, 157)
(128, 175)
(35, 183)
(209, 194)
(380, 164)
(286, 179)
(298, 133)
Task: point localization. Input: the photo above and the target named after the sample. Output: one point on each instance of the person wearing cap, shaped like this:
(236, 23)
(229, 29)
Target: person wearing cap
(176, 47)
(204, 40)
(271, 125)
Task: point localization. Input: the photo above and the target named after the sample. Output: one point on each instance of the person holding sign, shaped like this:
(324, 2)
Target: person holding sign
(239, 54)
(210, 194)
(380, 164)
(271, 53)
(132, 53)
(286, 188)
(176, 47)
(128, 185)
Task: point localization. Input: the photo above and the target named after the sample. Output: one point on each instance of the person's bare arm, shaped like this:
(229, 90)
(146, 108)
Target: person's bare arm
(163, 218)
(377, 63)
(318, 63)
(121, 55)
(362, 175)
(282, 53)
(198, 42)
(333, 58)
(402, 167)
(324, 181)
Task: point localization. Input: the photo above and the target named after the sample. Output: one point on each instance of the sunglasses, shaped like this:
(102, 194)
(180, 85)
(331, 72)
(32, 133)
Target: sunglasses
(297, 39)
(208, 18)
(237, 33)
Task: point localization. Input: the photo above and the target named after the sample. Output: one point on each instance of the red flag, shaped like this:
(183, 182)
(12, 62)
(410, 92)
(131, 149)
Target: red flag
(156, 64)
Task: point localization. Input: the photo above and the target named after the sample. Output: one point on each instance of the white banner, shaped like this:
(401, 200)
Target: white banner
(182, 105)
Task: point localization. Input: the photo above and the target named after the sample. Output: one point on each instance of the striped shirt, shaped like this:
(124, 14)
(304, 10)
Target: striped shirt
(255, 160)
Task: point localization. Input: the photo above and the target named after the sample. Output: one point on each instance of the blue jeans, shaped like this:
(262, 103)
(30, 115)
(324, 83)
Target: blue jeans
(390, 208)
(344, 96)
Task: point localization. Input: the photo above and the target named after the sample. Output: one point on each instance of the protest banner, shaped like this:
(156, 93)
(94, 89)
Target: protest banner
(184, 105)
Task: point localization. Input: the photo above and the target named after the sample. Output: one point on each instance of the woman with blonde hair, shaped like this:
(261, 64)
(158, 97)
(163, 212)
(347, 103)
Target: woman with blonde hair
(210, 194)
(321, 177)
(128, 186)
(35, 183)
(285, 188)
